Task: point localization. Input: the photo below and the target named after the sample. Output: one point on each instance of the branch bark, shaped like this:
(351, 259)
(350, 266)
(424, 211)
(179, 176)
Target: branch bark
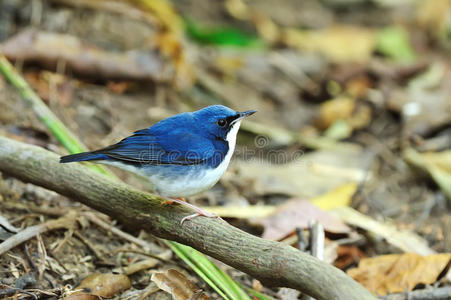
(273, 263)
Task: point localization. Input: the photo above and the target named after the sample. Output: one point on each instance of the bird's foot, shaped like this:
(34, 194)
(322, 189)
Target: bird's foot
(199, 211)
(171, 201)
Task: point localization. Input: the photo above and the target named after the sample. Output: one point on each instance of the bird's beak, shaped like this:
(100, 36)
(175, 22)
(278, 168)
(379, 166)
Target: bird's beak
(244, 114)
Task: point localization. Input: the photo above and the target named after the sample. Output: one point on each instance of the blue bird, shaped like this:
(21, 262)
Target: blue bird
(180, 156)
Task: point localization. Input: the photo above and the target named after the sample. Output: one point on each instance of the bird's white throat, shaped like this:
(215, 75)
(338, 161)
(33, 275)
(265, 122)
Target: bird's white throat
(231, 137)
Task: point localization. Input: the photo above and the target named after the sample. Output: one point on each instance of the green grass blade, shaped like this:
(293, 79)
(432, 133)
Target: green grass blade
(226, 285)
(221, 36)
(259, 295)
(59, 130)
(188, 259)
(221, 277)
(231, 286)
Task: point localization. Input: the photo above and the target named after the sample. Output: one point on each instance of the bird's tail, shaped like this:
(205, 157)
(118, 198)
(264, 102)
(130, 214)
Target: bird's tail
(84, 156)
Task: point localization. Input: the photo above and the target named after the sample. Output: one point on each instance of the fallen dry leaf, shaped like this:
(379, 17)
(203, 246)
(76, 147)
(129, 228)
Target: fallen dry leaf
(399, 272)
(336, 109)
(434, 16)
(298, 213)
(105, 285)
(176, 284)
(425, 105)
(82, 297)
(138, 266)
(359, 86)
(338, 197)
(404, 239)
(309, 175)
(49, 49)
(356, 114)
(170, 39)
(347, 256)
(437, 164)
(339, 43)
(51, 86)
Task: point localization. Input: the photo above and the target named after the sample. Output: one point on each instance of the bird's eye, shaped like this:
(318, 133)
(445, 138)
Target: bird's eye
(222, 122)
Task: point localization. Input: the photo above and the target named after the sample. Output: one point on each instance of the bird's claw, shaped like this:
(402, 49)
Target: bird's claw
(197, 214)
(199, 211)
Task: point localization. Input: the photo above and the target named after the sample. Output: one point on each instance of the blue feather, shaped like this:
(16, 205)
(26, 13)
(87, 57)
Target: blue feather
(167, 142)
(85, 156)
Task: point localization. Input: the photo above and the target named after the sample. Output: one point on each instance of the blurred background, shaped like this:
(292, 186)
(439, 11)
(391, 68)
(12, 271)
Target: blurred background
(353, 126)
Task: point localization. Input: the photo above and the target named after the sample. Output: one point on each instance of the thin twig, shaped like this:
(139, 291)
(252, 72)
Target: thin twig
(442, 293)
(316, 242)
(126, 236)
(90, 246)
(43, 257)
(301, 240)
(317, 237)
(66, 221)
(152, 288)
(5, 224)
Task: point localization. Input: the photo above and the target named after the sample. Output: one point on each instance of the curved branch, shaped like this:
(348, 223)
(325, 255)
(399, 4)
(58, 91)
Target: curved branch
(273, 263)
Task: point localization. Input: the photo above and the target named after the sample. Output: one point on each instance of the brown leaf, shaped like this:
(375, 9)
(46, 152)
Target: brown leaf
(425, 105)
(433, 16)
(338, 43)
(48, 49)
(48, 85)
(298, 213)
(308, 175)
(180, 287)
(105, 285)
(347, 255)
(437, 164)
(81, 297)
(399, 272)
(139, 266)
(356, 114)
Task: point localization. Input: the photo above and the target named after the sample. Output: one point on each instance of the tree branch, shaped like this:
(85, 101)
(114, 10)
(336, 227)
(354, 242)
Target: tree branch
(273, 263)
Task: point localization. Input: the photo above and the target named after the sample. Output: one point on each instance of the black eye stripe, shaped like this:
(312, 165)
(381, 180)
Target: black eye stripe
(232, 118)
(227, 121)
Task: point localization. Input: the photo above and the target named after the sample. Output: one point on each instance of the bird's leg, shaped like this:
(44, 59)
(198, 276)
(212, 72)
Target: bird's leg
(199, 211)
(171, 201)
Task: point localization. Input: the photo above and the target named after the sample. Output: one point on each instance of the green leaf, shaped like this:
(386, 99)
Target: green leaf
(221, 36)
(394, 42)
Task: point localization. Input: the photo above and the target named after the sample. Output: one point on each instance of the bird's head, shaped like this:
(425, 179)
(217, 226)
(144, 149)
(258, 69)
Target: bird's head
(221, 121)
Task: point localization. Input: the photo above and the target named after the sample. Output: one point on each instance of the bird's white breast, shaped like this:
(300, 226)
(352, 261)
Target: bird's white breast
(198, 183)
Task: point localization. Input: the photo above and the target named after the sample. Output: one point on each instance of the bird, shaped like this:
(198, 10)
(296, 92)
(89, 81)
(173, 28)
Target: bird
(180, 156)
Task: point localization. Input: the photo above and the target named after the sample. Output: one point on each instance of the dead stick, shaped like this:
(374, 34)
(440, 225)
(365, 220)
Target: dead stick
(126, 236)
(64, 222)
(273, 263)
(429, 293)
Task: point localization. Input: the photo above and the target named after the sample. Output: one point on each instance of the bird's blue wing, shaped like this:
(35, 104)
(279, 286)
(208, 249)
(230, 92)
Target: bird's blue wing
(177, 146)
